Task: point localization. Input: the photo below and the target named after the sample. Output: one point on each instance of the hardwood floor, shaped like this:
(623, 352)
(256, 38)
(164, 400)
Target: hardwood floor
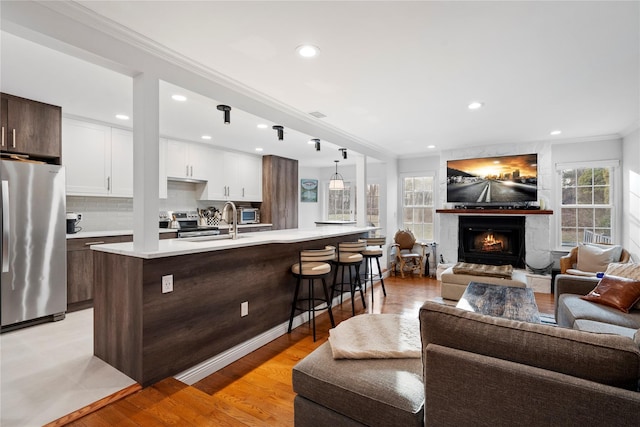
(256, 390)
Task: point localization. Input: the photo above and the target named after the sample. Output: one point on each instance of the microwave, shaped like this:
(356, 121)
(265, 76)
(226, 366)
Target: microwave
(248, 216)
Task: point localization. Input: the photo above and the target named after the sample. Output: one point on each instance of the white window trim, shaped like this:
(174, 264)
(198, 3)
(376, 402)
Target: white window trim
(616, 184)
(325, 201)
(375, 181)
(436, 186)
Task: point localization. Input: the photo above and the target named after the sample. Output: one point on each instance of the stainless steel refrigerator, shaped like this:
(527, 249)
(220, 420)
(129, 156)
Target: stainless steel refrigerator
(34, 249)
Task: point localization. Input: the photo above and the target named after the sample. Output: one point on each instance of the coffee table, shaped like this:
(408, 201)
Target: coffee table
(500, 301)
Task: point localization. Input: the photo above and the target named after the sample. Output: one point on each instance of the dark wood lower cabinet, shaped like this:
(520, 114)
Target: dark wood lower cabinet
(80, 268)
(149, 335)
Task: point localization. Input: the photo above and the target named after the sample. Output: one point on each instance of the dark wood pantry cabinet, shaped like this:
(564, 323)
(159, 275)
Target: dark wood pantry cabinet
(279, 192)
(31, 128)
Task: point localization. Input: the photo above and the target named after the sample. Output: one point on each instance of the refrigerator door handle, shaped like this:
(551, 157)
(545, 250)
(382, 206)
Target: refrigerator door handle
(5, 226)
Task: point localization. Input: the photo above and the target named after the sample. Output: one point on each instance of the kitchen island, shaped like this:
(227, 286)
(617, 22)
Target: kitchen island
(150, 335)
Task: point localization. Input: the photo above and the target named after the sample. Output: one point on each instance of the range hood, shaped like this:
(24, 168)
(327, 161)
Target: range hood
(182, 179)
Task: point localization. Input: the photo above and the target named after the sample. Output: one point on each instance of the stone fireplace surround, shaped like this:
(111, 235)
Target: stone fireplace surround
(537, 234)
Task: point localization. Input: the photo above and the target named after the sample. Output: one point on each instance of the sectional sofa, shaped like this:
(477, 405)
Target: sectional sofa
(477, 370)
(576, 313)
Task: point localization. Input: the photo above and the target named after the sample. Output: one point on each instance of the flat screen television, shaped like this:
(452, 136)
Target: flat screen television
(493, 181)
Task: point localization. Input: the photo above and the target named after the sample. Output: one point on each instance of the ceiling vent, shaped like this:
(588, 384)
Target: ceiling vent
(318, 115)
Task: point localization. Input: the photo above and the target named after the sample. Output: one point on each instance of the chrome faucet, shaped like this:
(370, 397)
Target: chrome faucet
(233, 226)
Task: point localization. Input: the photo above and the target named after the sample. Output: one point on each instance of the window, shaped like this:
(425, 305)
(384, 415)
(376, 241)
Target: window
(373, 204)
(587, 201)
(417, 206)
(340, 204)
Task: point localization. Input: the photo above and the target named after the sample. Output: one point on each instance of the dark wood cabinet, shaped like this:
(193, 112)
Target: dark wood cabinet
(80, 270)
(80, 267)
(31, 128)
(279, 192)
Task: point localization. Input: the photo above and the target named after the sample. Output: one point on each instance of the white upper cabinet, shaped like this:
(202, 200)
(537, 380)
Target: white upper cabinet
(216, 188)
(99, 162)
(86, 154)
(232, 176)
(187, 160)
(250, 178)
(177, 159)
(121, 163)
(236, 177)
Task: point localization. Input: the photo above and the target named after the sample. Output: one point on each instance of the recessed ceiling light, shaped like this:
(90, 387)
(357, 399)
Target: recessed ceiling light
(475, 105)
(431, 146)
(259, 149)
(555, 132)
(262, 126)
(180, 98)
(206, 137)
(307, 51)
(122, 117)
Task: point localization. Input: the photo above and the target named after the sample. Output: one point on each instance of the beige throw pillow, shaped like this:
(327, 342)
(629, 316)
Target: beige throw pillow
(594, 259)
(628, 270)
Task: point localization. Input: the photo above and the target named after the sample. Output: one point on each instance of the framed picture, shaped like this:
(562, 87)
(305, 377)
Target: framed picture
(309, 190)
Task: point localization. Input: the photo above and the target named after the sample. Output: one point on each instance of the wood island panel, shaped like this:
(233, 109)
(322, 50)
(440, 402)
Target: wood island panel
(150, 336)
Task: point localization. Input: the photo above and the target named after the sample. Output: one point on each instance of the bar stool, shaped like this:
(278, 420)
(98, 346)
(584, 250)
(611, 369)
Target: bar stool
(312, 264)
(348, 256)
(373, 251)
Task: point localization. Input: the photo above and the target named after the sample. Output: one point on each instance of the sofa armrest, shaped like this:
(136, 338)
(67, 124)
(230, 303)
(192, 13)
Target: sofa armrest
(571, 284)
(568, 261)
(490, 391)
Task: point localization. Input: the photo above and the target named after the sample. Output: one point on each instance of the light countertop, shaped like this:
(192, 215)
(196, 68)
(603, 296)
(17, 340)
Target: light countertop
(335, 222)
(174, 247)
(106, 233)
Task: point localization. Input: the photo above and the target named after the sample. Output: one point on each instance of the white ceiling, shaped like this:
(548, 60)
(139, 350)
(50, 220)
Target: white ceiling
(395, 76)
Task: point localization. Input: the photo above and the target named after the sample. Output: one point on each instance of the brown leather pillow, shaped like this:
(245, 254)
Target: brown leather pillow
(616, 292)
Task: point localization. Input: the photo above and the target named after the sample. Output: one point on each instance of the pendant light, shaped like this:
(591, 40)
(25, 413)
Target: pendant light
(336, 182)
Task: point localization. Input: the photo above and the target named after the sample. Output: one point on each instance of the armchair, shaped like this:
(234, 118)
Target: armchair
(405, 256)
(570, 264)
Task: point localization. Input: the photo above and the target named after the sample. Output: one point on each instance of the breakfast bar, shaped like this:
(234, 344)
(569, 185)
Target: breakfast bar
(150, 335)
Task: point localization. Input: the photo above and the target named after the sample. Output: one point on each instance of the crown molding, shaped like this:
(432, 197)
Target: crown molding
(284, 113)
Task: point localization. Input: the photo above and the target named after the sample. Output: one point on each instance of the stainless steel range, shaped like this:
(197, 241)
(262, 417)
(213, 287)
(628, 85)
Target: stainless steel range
(186, 223)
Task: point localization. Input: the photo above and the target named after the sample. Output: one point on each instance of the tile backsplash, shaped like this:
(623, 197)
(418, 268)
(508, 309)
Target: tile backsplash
(116, 213)
(102, 213)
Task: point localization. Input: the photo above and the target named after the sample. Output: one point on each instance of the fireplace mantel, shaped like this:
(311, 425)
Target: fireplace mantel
(489, 211)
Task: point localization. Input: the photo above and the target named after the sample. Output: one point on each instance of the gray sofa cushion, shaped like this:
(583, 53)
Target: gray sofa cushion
(380, 392)
(572, 307)
(603, 328)
(604, 358)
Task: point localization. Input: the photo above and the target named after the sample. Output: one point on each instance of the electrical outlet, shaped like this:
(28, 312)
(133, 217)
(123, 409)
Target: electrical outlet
(244, 308)
(167, 283)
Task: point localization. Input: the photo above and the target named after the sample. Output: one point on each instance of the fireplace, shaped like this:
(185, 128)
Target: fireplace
(494, 240)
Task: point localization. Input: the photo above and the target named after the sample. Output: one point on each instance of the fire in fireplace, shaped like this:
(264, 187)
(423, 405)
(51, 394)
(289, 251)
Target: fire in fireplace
(492, 240)
(491, 243)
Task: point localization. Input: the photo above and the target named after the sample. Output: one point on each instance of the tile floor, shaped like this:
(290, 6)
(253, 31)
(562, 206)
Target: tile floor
(49, 370)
